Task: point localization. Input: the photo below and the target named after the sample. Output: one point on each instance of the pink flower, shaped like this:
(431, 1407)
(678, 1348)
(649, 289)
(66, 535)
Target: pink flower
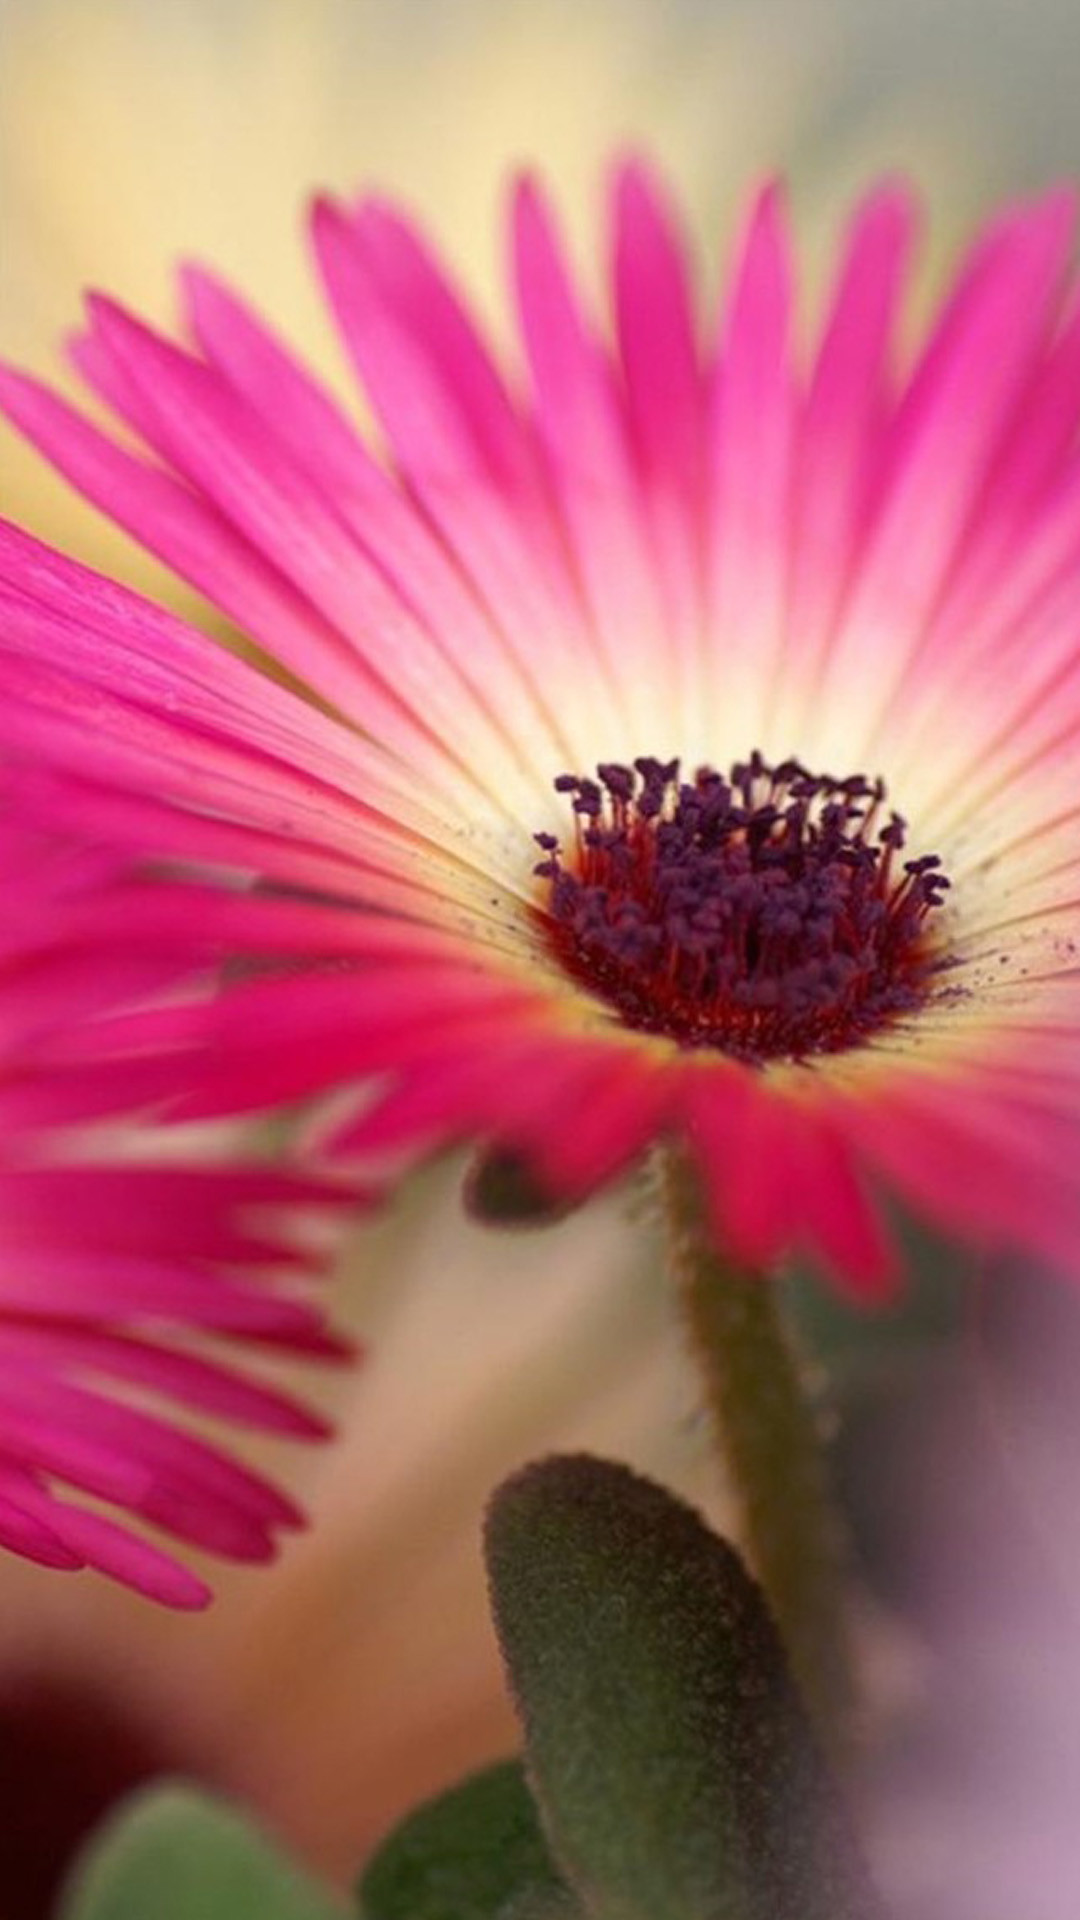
(114, 1268)
(697, 613)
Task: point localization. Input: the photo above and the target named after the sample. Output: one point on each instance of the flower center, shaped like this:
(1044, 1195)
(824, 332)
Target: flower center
(767, 913)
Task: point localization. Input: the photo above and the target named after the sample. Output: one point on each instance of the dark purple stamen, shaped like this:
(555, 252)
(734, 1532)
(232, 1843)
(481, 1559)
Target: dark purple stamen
(764, 912)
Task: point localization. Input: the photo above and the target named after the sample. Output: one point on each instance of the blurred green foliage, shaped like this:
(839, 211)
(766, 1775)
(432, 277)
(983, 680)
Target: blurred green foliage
(175, 1854)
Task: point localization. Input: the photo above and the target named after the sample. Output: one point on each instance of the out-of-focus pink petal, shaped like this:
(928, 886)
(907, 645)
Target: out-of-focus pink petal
(58, 1285)
(621, 1105)
(108, 1269)
(89, 1540)
(186, 1378)
(736, 1134)
(838, 1219)
(780, 1175)
(999, 1171)
(28, 1534)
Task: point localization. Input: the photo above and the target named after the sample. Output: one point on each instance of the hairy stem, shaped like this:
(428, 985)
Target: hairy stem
(768, 1433)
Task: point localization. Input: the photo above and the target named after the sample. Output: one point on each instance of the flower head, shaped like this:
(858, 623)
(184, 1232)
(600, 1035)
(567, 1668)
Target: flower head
(115, 1266)
(768, 639)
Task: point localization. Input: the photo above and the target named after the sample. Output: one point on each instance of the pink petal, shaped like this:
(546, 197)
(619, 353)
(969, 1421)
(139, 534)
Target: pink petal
(989, 1169)
(379, 514)
(654, 313)
(951, 420)
(190, 534)
(24, 1532)
(87, 1539)
(847, 409)
(57, 1283)
(779, 1175)
(188, 1379)
(136, 649)
(586, 444)
(665, 399)
(385, 668)
(474, 472)
(837, 1216)
(736, 1133)
(123, 1556)
(753, 428)
(417, 292)
(599, 1115)
(197, 1210)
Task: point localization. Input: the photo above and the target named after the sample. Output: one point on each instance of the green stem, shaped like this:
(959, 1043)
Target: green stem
(768, 1434)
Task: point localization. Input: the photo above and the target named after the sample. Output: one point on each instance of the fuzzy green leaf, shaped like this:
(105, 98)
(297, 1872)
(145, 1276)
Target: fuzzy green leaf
(174, 1854)
(475, 1853)
(673, 1762)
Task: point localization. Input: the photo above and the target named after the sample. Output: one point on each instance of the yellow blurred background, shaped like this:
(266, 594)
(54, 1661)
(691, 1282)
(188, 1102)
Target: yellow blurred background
(138, 131)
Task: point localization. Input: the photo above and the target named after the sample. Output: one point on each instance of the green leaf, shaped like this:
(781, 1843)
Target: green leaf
(475, 1853)
(175, 1854)
(536, 1904)
(673, 1762)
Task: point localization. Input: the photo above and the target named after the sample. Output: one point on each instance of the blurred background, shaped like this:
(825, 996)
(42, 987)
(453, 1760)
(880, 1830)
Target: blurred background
(135, 131)
(335, 1689)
